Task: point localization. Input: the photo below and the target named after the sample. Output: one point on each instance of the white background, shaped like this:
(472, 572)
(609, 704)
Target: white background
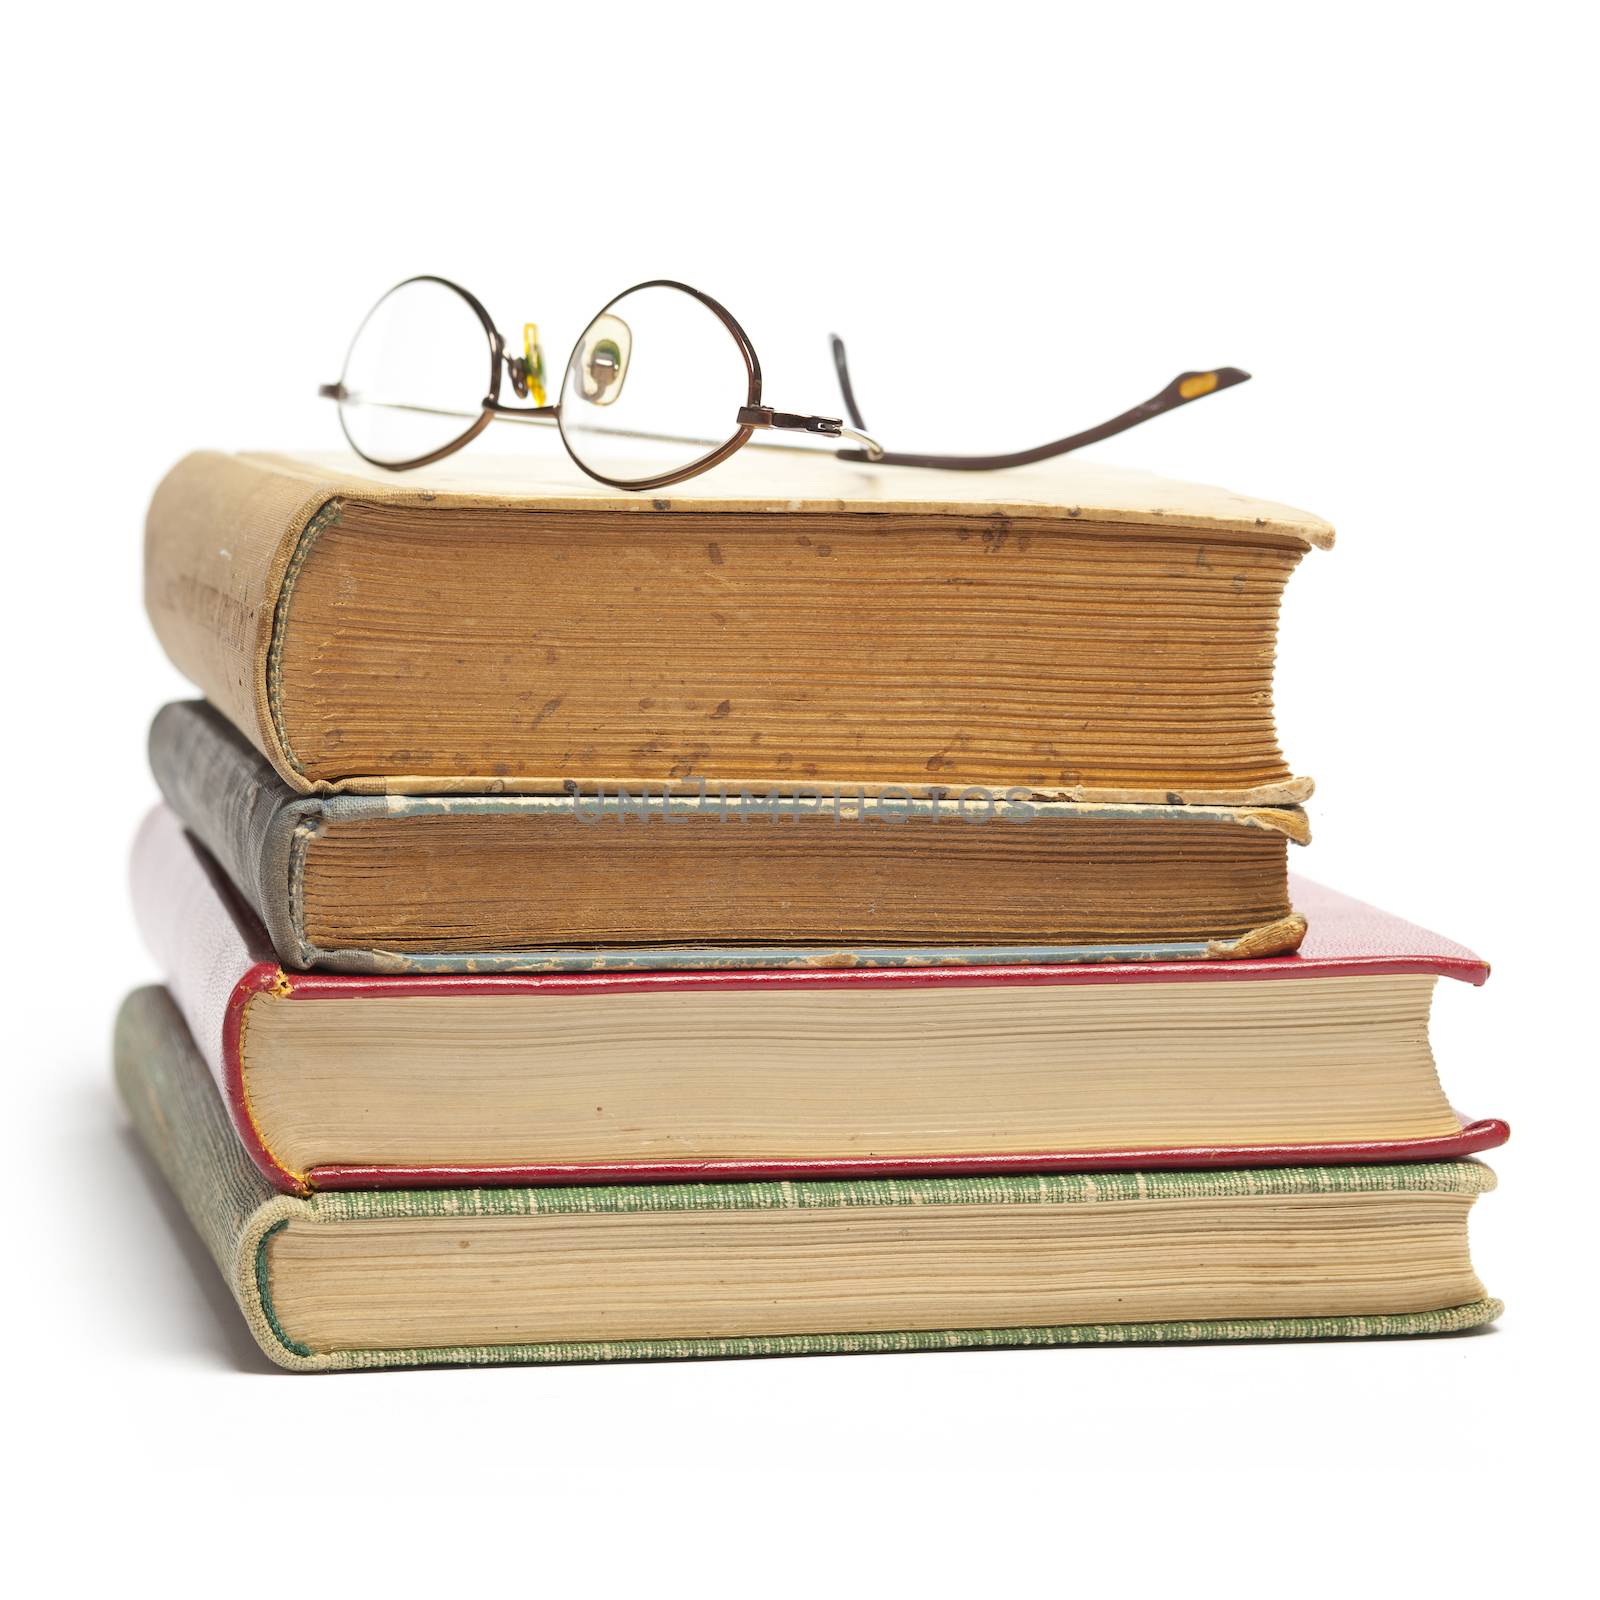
(1035, 215)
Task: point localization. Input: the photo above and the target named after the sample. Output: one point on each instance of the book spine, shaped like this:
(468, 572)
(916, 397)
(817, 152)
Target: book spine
(219, 538)
(216, 961)
(227, 794)
(184, 1126)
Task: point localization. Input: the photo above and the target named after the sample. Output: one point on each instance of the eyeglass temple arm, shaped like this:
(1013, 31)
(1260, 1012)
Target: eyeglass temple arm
(796, 422)
(496, 408)
(871, 450)
(841, 366)
(1183, 389)
(749, 417)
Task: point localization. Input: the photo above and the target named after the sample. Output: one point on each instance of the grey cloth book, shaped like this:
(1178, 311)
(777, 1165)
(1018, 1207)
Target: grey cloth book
(612, 880)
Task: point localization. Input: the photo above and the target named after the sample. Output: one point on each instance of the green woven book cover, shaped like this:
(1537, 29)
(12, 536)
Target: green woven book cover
(170, 1094)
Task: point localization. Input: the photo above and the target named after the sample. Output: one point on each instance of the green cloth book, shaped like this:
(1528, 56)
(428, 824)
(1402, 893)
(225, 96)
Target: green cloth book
(388, 1278)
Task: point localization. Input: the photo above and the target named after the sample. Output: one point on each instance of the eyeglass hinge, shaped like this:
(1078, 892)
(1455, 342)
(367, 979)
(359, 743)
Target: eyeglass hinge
(766, 417)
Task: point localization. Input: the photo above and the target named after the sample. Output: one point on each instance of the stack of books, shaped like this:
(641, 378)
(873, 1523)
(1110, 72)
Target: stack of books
(826, 910)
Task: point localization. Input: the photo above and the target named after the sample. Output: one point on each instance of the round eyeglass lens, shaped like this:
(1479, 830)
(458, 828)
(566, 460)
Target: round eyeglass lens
(653, 386)
(417, 374)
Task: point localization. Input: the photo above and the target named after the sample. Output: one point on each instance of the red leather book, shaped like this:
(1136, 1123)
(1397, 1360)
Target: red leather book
(338, 1081)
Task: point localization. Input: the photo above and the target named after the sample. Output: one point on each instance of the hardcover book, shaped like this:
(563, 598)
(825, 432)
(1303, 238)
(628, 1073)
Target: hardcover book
(412, 1277)
(373, 1081)
(1073, 631)
(418, 883)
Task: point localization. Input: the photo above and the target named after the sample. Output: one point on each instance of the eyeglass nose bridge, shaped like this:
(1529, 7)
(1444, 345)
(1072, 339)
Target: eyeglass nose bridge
(527, 370)
(601, 362)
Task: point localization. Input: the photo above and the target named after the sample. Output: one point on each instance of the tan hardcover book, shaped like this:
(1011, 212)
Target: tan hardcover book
(1073, 631)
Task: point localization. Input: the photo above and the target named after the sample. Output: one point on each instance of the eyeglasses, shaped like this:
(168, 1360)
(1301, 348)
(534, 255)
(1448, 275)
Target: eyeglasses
(662, 385)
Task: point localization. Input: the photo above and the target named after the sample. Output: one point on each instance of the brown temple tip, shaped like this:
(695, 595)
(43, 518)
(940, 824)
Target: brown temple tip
(1196, 385)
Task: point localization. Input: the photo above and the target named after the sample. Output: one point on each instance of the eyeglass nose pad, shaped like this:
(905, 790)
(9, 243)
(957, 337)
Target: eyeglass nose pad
(600, 363)
(533, 364)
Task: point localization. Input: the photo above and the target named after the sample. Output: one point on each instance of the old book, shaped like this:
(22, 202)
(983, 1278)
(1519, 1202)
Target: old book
(373, 1081)
(479, 883)
(1073, 631)
(411, 1277)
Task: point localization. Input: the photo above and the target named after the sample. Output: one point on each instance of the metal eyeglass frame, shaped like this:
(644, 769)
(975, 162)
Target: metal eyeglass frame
(752, 415)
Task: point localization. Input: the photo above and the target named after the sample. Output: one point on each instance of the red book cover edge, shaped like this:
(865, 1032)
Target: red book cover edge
(266, 977)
